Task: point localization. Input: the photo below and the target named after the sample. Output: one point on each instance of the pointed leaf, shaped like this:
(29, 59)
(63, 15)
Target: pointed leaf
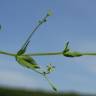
(66, 49)
(23, 49)
(27, 61)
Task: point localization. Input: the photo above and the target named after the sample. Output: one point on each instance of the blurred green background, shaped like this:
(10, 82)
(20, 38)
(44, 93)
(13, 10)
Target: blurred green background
(22, 92)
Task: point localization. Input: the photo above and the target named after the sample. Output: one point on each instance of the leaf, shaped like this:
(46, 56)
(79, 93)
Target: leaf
(66, 49)
(50, 83)
(27, 61)
(72, 54)
(23, 49)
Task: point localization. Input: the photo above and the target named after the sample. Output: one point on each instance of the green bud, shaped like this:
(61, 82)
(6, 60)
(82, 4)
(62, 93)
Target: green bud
(50, 68)
(49, 13)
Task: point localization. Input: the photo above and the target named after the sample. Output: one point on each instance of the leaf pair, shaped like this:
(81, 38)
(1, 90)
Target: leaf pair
(68, 53)
(27, 61)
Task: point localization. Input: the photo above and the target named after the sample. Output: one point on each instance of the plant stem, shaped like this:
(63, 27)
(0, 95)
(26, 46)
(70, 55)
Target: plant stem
(45, 54)
(45, 76)
(48, 53)
(34, 30)
(89, 53)
(51, 84)
(6, 53)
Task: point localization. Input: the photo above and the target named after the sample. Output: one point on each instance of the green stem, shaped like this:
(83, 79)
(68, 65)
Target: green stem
(49, 53)
(34, 30)
(41, 72)
(88, 53)
(45, 54)
(51, 84)
(6, 53)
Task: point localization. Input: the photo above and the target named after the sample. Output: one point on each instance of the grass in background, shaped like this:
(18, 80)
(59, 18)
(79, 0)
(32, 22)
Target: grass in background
(5, 91)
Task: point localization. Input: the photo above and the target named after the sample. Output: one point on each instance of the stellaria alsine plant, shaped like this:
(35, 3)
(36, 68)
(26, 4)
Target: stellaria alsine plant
(27, 61)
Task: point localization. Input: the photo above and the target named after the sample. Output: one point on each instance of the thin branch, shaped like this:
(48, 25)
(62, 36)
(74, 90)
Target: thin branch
(51, 84)
(7, 53)
(34, 30)
(66, 54)
(44, 53)
(89, 53)
(42, 72)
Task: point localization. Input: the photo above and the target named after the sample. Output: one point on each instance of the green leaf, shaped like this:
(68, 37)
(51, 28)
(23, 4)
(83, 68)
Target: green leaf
(72, 54)
(66, 49)
(27, 61)
(50, 83)
(23, 49)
